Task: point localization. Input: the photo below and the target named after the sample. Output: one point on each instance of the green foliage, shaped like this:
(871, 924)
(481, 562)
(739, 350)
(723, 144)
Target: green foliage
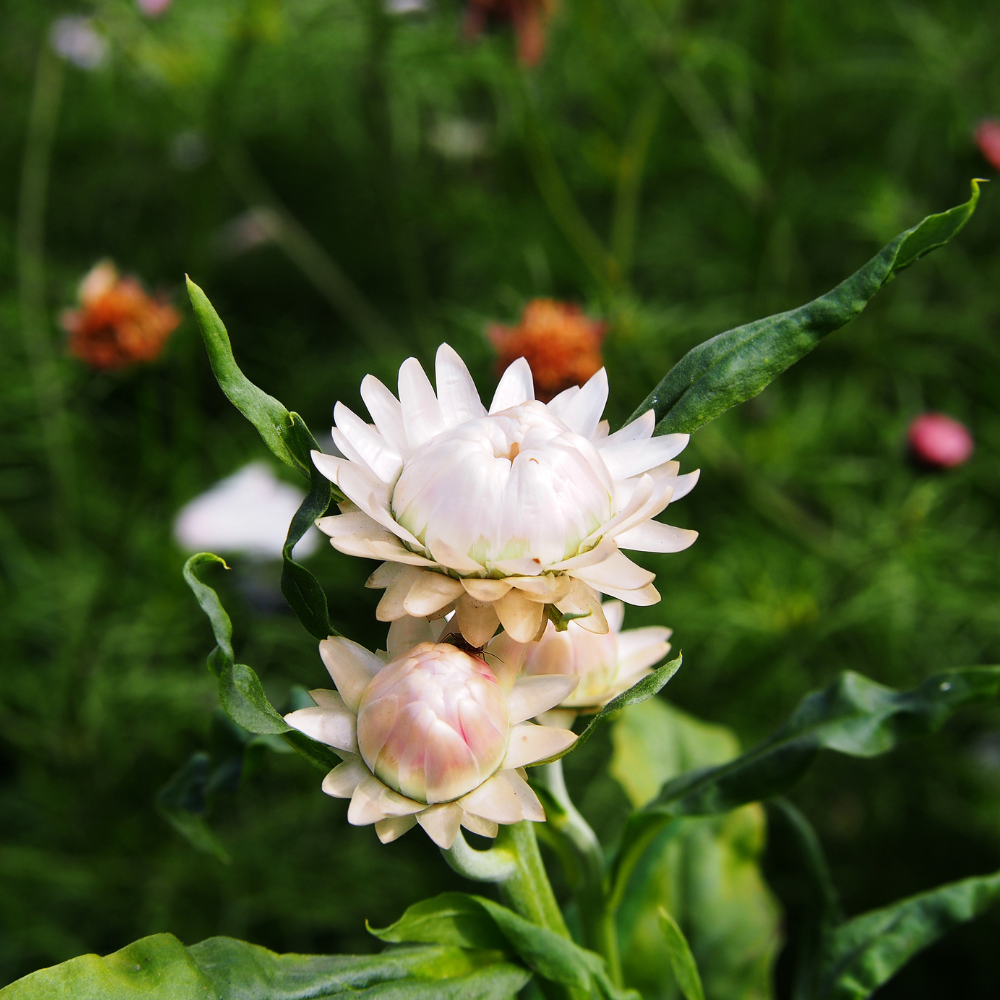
(681, 960)
(161, 968)
(734, 366)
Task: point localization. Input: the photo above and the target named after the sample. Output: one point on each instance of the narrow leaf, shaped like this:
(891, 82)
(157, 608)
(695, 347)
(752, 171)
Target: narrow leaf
(182, 803)
(682, 962)
(867, 951)
(736, 365)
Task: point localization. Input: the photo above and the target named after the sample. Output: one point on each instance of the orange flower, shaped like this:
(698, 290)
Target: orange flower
(529, 18)
(117, 324)
(561, 345)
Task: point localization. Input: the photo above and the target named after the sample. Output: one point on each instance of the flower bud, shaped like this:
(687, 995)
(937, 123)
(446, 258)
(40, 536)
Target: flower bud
(988, 140)
(939, 442)
(433, 725)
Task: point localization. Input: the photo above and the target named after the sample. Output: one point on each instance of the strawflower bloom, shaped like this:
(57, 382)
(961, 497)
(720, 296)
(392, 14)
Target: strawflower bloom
(560, 343)
(529, 19)
(939, 442)
(117, 324)
(603, 665)
(988, 140)
(434, 736)
(498, 514)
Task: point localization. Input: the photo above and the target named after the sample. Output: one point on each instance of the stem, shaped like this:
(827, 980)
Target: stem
(596, 916)
(45, 376)
(527, 890)
(494, 865)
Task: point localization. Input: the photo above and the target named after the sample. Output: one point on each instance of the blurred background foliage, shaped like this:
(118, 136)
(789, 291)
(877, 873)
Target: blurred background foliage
(353, 184)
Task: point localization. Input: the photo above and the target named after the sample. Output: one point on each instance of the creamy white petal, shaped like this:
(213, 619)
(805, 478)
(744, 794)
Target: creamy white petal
(398, 553)
(364, 807)
(530, 696)
(516, 386)
(603, 430)
(355, 522)
(393, 602)
(527, 566)
(441, 823)
(642, 598)
(642, 647)
(547, 588)
(558, 718)
(335, 725)
(344, 778)
(476, 620)
(531, 808)
(476, 824)
(385, 574)
(616, 571)
(486, 590)
(407, 632)
(605, 547)
(377, 454)
(654, 536)
(528, 743)
(505, 657)
(627, 459)
(422, 417)
(394, 827)
(641, 500)
(430, 592)
(361, 544)
(583, 600)
(495, 800)
(520, 617)
(346, 450)
(561, 400)
(457, 394)
(641, 429)
(583, 412)
(351, 666)
(451, 558)
(614, 611)
(386, 412)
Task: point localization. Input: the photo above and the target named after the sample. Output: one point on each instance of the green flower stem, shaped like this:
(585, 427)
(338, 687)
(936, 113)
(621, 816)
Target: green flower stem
(494, 865)
(591, 889)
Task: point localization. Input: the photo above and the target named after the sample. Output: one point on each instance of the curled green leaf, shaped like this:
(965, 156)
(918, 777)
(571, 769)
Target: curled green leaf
(682, 962)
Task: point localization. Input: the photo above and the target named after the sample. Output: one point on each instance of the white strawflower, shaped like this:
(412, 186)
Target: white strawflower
(603, 665)
(498, 514)
(436, 736)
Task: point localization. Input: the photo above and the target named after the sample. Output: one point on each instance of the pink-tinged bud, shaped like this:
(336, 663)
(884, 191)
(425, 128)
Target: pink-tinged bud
(433, 724)
(988, 140)
(153, 8)
(939, 441)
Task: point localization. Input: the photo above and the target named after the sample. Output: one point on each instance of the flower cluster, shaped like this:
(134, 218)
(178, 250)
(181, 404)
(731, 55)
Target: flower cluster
(118, 324)
(512, 517)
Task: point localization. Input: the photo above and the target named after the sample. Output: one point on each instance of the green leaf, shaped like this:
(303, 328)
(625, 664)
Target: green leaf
(161, 968)
(682, 962)
(704, 870)
(641, 691)
(736, 365)
(302, 590)
(460, 919)
(853, 716)
(863, 953)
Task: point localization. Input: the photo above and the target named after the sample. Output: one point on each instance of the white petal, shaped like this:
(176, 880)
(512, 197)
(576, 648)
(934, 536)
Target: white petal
(546, 588)
(484, 827)
(356, 522)
(430, 592)
(385, 574)
(531, 808)
(561, 400)
(364, 807)
(530, 696)
(486, 590)
(386, 412)
(344, 778)
(614, 611)
(422, 418)
(603, 430)
(405, 633)
(351, 666)
(394, 827)
(516, 387)
(616, 571)
(495, 799)
(457, 394)
(641, 429)
(441, 823)
(642, 598)
(639, 648)
(451, 558)
(627, 459)
(476, 620)
(377, 454)
(605, 547)
(521, 618)
(558, 718)
(528, 743)
(361, 544)
(505, 657)
(335, 725)
(654, 536)
(392, 604)
(583, 600)
(583, 412)
(517, 567)
(398, 553)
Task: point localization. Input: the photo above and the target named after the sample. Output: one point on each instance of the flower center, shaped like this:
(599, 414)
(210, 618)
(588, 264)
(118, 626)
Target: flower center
(433, 724)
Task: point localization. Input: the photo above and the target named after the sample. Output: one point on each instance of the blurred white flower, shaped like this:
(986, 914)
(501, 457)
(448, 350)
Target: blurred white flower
(498, 514)
(436, 736)
(405, 6)
(459, 138)
(604, 665)
(248, 512)
(75, 39)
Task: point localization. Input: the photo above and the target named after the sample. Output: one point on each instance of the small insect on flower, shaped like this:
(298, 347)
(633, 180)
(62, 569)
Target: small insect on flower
(529, 19)
(118, 324)
(560, 343)
(603, 665)
(988, 140)
(434, 736)
(500, 515)
(939, 442)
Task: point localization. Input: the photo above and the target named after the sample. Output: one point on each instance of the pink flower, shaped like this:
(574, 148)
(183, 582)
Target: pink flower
(939, 441)
(988, 140)
(153, 8)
